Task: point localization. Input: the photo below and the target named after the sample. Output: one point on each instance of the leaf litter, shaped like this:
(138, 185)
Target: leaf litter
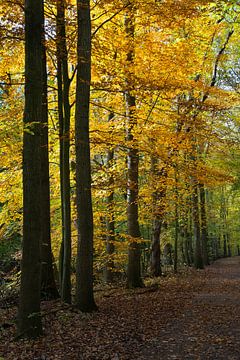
(191, 315)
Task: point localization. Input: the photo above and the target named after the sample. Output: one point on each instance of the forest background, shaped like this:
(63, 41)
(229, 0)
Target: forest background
(164, 135)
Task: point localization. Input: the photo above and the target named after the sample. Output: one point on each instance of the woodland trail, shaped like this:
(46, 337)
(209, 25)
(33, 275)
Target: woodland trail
(192, 316)
(209, 327)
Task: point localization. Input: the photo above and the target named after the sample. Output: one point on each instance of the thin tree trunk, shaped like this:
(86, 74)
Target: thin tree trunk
(84, 276)
(156, 268)
(187, 241)
(198, 260)
(29, 318)
(110, 223)
(175, 262)
(177, 228)
(64, 135)
(158, 209)
(204, 231)
(224, 245)
(48, 284)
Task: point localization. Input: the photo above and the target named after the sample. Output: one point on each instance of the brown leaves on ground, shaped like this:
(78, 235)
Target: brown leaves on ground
(194, 315)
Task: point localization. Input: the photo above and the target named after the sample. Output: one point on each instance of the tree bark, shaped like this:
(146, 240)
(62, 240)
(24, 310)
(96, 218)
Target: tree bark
(48, 284)
(198, 260)
(84, 276)
(134, 251)
(110, 223)
(158, 210)
(29, 319)
(177, 227)
(64, 111)
(204, 230)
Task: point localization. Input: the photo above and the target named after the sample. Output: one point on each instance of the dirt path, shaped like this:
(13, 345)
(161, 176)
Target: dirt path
(192, 316)
(209, 328)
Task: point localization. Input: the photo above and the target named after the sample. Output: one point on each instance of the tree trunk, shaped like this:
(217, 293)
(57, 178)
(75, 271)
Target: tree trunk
(134, 251)
(188, 243)
(156, 269)
(204, 231)
(175, 262)
(64, 111)
(48, 284)
(158, 210)
(198, 261)
(177, 228)
(29, 318)
(84, 276)
(110, 224)
(224, 245)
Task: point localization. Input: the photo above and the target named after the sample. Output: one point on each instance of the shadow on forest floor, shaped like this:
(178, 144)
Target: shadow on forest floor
(193, 315)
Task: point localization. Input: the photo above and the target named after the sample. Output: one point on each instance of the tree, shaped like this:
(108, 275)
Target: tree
(64, 113)
(84, 276)
(29, 319)
(134, 253)
(110, 223)
(159, 176)
(48, 284)
(204, 227)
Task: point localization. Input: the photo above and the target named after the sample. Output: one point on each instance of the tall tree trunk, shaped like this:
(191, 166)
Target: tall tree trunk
(175, 262)
(223, 217)
(48, 284)
(29, 319)
(198, 260)
(156, 268)
(158, 210)
(204, 230)
(134, 251)
(110, 224)
(84, 276)
(64, 111)
(177, 227)
(187, 230)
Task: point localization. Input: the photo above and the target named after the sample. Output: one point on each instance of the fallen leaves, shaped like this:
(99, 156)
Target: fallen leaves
(194, 315)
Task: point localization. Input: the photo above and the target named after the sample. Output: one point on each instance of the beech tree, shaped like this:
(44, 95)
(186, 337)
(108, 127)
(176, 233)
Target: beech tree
(64, 113)
(84, 276)
(48, 284)
(29, 318)
(110, 223)
(134, 253)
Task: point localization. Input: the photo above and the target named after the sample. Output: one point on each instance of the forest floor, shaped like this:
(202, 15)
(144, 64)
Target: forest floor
(192, 315)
